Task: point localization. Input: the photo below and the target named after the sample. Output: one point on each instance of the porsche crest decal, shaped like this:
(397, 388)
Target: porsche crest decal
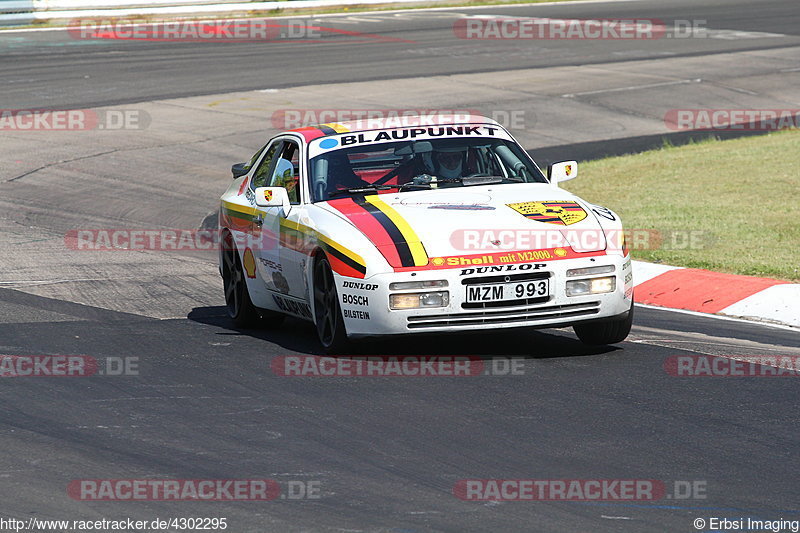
(563, 213)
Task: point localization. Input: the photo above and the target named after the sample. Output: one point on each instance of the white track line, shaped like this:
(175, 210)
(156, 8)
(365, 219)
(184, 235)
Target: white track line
(633, 87)
(721, 317)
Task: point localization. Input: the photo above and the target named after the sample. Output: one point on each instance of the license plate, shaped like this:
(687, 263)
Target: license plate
(516, 290)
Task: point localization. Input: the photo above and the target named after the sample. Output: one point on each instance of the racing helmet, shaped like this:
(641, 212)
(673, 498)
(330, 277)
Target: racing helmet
(449, 160)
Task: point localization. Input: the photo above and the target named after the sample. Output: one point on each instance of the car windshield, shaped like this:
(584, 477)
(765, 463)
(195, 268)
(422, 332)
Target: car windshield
(417, 165)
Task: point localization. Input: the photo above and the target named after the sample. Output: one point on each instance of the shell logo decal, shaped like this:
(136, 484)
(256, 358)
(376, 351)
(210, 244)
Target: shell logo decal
(249, 263)
(562, 213)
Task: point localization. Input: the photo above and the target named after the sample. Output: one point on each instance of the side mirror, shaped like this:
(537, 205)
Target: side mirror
(562, 171)
(273, 197)
(239, 169)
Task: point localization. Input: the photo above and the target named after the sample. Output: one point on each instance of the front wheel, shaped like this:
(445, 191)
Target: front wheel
(327, 314)
(605, 332)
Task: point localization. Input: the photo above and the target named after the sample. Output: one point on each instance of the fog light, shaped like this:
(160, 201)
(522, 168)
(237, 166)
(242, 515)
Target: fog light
(600, 285)
(588, 271)
(416, 300)
(433, 299)
(430, 284)
(579, 287)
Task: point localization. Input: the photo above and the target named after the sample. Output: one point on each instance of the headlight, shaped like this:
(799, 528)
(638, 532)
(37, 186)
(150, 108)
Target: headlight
(588, 271)
(580, 287)
(407, 285)
(416, 300)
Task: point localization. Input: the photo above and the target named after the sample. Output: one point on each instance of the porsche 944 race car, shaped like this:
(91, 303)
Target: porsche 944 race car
(373, 228)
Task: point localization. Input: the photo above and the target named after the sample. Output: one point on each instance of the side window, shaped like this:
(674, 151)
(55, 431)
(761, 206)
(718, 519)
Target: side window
(260, 178)
(287, 171)
(254, 159)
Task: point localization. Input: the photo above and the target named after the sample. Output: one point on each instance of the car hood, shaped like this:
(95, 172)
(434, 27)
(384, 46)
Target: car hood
(471, 220)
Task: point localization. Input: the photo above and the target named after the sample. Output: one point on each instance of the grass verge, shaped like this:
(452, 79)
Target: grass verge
(741, 198)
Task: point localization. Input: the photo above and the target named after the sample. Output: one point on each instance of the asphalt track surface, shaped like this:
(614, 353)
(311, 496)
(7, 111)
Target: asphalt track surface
(386, 452)
(51, 69)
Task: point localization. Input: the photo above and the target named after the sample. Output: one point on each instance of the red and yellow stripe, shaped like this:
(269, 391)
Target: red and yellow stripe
(237, 216)
(344, 261)
(385, 228)
(297, 237)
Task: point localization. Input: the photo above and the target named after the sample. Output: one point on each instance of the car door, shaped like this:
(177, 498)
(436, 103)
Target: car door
(282, 265)
(263, 239)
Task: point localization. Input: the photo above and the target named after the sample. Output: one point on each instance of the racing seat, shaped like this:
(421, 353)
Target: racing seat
(334, 172)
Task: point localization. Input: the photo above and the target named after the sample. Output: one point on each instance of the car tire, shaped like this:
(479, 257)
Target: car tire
(610, 332)
(327, 313)
(238, 304)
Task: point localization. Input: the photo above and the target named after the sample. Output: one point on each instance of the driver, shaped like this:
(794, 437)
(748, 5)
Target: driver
(449, 161)
(284, 177)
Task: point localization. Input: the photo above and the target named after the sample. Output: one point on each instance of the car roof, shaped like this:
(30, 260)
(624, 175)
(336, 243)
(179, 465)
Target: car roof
(391, 122)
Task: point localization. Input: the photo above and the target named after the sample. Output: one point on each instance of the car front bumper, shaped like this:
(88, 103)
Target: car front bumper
(365, 303)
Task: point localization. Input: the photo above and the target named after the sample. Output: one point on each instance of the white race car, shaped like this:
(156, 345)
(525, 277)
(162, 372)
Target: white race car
(375, 228)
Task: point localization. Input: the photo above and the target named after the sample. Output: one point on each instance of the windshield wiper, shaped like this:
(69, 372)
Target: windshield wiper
(474, 180)
(466, 181)
(411, 185)
(361, 190)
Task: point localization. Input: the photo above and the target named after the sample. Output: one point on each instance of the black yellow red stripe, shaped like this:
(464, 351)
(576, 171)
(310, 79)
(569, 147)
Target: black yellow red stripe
(386, 229)
(412, 241)
(401, 246)
(369, 226)
(343, 260)
(297, 237)
(314, 132)
(332, 128)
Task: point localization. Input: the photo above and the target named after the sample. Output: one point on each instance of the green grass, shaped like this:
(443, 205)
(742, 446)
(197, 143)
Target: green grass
(742, 195)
